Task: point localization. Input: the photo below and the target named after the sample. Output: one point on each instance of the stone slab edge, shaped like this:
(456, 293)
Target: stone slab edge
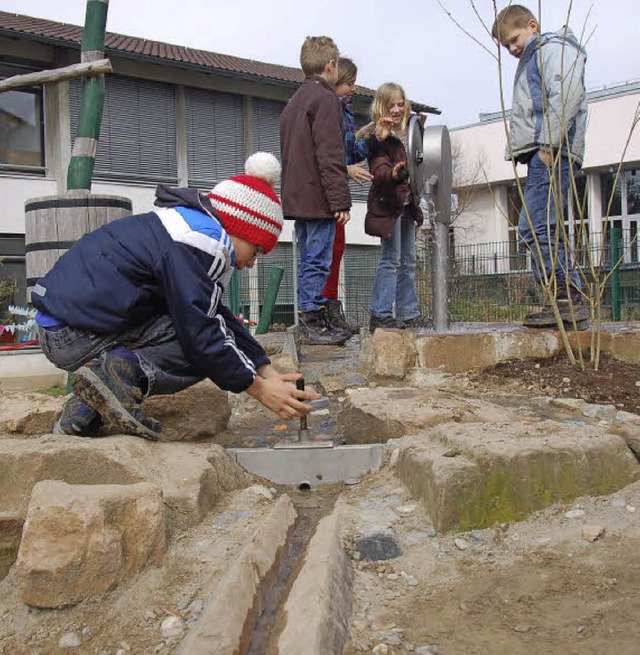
(318, 608)
(240, 588)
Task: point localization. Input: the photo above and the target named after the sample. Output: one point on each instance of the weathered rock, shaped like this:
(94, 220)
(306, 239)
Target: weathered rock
(199, 412)
(80, 541)
(192, 477)
(29, 413)
(381, 546)
(506, 471)
(627, 425)
(10, 533)
(383, 413)
(394, 353)
(592, 532)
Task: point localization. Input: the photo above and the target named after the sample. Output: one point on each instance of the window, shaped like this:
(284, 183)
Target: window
(21, 125)
(577, 221)
(517, 248)
(622, 198)
(12, 270)
(137, 131)
(215, 136)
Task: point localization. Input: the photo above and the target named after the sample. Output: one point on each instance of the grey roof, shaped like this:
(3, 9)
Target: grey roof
(70, 36)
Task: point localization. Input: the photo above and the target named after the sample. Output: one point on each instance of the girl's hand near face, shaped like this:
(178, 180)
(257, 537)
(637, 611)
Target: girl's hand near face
(384, 127)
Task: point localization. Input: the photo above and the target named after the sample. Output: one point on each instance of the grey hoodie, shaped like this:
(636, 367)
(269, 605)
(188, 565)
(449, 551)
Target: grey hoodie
(549, 99)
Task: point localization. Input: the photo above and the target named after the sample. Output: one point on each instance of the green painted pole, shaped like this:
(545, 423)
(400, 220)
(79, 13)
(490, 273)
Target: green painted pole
(85, 146)
(234, 294)
(275, 278)
(615, 274)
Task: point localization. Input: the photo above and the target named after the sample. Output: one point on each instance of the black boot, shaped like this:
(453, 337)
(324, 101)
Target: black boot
(337, 318)
(315, 330)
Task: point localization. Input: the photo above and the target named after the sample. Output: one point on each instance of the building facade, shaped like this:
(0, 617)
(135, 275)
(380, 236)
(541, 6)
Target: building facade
(172, 115)
(487, 183)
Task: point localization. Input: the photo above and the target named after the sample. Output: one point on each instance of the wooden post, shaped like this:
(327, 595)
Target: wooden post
(85, 146)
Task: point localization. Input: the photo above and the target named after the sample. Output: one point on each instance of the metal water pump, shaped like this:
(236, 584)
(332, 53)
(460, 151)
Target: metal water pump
(430, 175)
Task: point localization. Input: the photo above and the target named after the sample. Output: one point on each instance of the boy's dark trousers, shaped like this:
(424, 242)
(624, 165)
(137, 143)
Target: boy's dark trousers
(540, 200)
(155, 343)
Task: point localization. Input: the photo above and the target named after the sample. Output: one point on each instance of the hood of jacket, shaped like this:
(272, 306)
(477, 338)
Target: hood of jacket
(564, 35)
(168, 196)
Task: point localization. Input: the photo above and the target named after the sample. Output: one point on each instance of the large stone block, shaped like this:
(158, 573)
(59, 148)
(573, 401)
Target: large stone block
(192, 477)
(393, 353)
(80, 541)
(10, 533)
(28, 413)
(199, 412)
(472, 476)
(457, 352)
(376, 415)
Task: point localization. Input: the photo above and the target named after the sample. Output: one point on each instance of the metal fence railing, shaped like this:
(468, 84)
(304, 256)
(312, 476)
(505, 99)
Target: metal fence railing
(488, 282)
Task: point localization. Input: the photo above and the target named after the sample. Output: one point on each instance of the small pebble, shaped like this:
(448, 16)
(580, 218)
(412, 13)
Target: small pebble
(574, 514)
(618, 502)
(173, 626)
(461, 544)
(631, 508)
(352, 481)
(70, 640)
(592, 532)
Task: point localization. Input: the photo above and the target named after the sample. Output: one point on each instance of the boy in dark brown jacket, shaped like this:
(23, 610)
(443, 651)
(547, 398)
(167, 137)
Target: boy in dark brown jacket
(315, 185)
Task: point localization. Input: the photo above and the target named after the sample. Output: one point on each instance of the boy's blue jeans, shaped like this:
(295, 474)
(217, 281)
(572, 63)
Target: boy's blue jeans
(541, 203)
(315, 246)
(155, 344)
(395, 279)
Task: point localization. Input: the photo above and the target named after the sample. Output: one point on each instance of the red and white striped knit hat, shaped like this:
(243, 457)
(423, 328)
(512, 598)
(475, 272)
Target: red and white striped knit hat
(248, 206)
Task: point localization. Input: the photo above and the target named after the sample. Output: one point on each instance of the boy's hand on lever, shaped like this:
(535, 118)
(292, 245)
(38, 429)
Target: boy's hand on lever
(279, 394)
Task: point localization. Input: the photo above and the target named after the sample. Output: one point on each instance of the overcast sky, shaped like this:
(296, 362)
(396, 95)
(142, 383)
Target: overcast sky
(420, 47)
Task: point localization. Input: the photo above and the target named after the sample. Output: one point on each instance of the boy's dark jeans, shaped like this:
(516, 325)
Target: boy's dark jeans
(155, 344)
(539, 199)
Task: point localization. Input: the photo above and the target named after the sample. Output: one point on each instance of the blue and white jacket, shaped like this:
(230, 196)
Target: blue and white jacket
(176, 260)
(549, 105)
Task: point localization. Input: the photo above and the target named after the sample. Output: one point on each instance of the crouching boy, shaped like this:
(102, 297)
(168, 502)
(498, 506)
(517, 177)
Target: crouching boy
(134, 308)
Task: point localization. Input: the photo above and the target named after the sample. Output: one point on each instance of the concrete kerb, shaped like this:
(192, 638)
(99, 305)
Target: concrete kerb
(318, 609)
(239, 596)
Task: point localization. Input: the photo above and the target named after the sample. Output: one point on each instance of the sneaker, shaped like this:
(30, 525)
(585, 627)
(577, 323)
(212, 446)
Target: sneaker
(337, 318)
(418, 321)
(385, 322)
(78, 420)
(315, 330)
(110, 385)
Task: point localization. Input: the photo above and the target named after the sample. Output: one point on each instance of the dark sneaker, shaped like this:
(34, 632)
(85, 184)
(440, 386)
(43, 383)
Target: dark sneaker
(337, 318)
(418, 321)
(78, 420)
(384, 322)
(572, 312)
(110, 385)
(545, 318)
(315, 330)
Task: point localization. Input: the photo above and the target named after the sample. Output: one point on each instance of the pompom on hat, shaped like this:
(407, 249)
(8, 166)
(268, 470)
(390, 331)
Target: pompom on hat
(248, 206)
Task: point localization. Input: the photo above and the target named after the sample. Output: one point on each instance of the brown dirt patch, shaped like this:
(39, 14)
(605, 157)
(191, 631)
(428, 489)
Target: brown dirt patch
(615, 382)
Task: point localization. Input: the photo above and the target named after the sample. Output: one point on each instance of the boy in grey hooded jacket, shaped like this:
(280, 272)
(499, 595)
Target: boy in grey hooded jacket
(547, 128)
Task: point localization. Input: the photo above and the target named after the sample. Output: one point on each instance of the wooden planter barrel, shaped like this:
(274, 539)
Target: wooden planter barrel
(54, 223)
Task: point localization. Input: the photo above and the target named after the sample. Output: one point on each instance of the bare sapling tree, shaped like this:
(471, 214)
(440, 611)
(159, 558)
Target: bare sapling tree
(556, 249)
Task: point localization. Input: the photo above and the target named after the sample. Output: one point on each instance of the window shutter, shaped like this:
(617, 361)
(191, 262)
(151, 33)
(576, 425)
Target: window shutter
(215, 136)
(137, 132)
(266, 127)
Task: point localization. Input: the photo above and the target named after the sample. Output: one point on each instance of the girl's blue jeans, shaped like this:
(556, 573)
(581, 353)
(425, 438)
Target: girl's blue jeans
(549, 253)
(395, 280)
(154, 343)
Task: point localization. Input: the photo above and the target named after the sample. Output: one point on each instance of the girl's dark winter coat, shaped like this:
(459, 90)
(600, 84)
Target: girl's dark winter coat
(387, 195)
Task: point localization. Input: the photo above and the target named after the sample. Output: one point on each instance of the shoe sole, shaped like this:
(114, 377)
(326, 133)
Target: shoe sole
(95, 393)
